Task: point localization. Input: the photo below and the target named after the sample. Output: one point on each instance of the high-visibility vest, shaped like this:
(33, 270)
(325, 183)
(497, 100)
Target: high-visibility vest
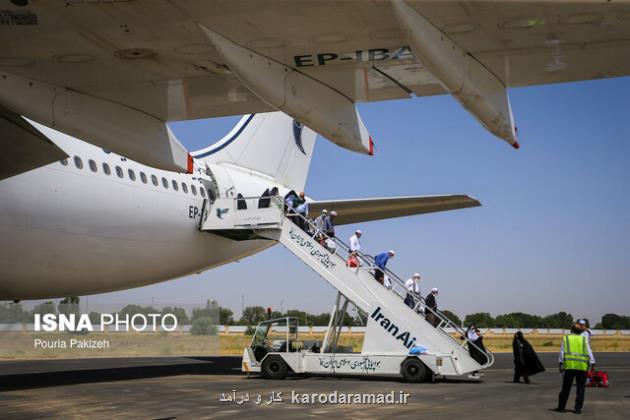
(575, 352)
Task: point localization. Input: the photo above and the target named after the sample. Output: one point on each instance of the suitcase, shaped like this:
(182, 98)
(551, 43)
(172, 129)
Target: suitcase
(596, 378)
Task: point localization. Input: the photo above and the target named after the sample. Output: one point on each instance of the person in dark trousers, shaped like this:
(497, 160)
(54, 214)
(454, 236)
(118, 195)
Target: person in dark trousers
(381, 261)
(413, 289)
(431, 303)
(575, 358)
(300, 206)
(526, 362)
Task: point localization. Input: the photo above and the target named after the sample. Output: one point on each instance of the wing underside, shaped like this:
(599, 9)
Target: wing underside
(150, 60)
(152, 55)
(23, 147)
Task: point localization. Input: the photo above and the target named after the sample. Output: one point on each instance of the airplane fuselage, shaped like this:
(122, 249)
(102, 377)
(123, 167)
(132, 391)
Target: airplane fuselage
(72, 228)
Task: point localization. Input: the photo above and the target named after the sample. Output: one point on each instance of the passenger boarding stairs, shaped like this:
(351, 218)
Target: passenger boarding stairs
(388, 316)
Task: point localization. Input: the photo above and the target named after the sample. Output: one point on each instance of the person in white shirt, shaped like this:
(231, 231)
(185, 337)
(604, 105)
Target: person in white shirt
(355, 245)
(477, 350)
(320, 222)
(586, 332)
(413, 289)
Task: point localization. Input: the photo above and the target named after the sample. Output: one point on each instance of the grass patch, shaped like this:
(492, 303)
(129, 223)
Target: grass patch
(16, 345)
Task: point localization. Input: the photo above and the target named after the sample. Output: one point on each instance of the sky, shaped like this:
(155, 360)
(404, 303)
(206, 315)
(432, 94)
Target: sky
(553, 232)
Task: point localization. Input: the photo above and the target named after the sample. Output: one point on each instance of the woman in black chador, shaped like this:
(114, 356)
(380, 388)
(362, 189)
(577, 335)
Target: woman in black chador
(526, 362)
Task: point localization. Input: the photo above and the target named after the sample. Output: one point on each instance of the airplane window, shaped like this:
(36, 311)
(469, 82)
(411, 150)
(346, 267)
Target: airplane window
(132, 174)
(193, 189)
(154, 180)
(119, 172)
(241, 204)
(106, 169)
(64, 162)
(202, 192)
(78, 162)
(185, 188)
(165, 183)
(175, 187)
(92, 165)
(143, 177)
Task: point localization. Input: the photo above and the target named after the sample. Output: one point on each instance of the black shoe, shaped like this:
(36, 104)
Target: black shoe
(559, 410)
(577, 411)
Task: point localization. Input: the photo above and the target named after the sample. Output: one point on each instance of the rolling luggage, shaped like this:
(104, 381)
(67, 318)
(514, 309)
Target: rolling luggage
(596, 378)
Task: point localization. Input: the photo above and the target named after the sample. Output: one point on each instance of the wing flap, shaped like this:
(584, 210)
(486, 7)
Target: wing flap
(364, 210)
(23, 147)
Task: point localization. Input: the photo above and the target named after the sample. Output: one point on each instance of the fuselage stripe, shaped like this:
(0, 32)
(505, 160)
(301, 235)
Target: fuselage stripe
(227, 142)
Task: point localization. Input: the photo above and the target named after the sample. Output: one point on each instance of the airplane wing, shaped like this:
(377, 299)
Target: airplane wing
(113, 72)
(363, 210)
(23, 147)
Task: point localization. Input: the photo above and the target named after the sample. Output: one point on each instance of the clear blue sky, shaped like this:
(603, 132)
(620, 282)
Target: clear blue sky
(553, 232)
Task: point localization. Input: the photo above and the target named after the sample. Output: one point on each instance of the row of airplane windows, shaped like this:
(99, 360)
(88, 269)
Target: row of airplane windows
(78, 163)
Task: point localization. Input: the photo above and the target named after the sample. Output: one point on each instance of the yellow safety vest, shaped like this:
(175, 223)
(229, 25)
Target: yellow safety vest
(575, 353)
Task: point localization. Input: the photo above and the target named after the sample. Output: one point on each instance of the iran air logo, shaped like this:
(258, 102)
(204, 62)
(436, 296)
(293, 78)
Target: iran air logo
(297, 135)
(221, 212)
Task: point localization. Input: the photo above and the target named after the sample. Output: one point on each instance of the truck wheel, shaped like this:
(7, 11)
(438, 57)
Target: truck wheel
(413, 370)
(273, 367)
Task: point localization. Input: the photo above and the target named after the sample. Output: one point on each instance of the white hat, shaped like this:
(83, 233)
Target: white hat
(324, 211)
(333, 213)
(435, 289)
(416, 275)
(582, 322)
(392, 252)
(359, 231)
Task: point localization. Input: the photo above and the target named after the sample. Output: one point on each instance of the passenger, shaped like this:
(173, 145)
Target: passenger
(329, 224)
(289, 207)
(586, 332)
(431, 304)
(301, 207)
(477, 350)
(526, 362)
(355, 244)
(353, 260)
(289, 201)
(320, 224)
(381, 261)
(413, 289)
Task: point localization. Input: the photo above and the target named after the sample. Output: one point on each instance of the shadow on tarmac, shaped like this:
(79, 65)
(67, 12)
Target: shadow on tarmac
(195, 366)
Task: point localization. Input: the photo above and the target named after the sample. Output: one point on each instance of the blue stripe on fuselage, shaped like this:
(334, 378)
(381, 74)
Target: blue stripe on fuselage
(227, 142)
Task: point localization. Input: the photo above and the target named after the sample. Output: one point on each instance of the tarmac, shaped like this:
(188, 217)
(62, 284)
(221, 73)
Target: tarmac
(194, 387)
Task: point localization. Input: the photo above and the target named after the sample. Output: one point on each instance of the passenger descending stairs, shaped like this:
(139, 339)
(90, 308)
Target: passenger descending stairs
(359, 287)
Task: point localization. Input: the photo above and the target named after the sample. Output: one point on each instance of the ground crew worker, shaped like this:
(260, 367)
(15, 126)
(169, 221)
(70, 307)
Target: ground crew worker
(575, 357)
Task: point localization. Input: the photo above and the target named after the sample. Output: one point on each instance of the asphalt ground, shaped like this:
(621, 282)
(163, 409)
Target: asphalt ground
(192, 387)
